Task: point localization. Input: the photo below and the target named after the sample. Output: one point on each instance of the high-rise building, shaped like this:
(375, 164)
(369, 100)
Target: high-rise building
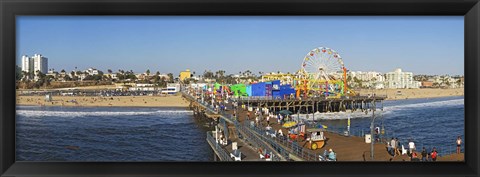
(35, 63)
(26, 64)
(40, 63)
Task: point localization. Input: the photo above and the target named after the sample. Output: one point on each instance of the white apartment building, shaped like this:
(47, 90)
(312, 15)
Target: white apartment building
(92, 71)
(369, 79)
(447, 81)
(27, 64)
(400, 79)
(35, 63)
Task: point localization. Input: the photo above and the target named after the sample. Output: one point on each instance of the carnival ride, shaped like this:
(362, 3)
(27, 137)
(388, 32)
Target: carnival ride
(322, 73)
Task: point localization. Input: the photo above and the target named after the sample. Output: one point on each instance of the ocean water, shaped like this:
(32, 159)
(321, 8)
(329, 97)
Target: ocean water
(109, 134)
(173, 134)
(433, 122)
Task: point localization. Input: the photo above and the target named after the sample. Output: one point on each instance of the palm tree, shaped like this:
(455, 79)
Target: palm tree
(170, 76)
(358, 82)
(448, 83)
(24, 75)
(67, 78)
(208, 74)
(445, 81)
(459, 82)
(148, 72)
(109, 71)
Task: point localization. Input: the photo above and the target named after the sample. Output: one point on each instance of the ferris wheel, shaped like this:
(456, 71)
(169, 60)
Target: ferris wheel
(322, 64)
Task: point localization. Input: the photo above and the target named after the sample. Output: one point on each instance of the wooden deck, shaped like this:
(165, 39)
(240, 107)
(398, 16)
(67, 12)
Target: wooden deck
(347, 148)
(248, 152)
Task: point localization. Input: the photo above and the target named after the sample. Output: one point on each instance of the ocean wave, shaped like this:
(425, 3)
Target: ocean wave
(448, 103)
(42, 113)
(386, 110)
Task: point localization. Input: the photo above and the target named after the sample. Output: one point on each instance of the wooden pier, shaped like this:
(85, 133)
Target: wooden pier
(321, 104)
(251, 139)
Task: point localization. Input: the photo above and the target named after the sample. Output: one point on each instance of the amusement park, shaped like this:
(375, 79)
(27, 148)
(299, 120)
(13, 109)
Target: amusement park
(322, 74)
(285, 119)
(262, 114)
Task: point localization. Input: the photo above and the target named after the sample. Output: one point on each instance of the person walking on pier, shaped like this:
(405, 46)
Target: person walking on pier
(281, 119)
(399, 146)
(411, 146)
(393, 143)
(278, 119)
(459, 144)
(434, 154)
(424, 154)
(268, 119)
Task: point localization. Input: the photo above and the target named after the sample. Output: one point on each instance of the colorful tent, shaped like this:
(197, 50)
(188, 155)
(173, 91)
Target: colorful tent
(239, 90)
(217, 86)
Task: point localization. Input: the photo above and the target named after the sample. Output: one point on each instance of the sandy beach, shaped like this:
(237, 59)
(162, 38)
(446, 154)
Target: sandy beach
(120, 101)
(398, 94)
(178, 101)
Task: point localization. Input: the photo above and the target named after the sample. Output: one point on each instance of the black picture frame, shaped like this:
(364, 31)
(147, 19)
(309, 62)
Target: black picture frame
(9, 9)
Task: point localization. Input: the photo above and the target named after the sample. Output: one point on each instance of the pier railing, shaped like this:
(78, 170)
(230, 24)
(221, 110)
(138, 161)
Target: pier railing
(222, 121)
(259, 143)
(223, 155)
(284, 145)
(268, 98)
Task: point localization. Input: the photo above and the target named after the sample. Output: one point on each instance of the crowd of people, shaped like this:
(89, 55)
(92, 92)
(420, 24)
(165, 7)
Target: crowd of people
(395, 148)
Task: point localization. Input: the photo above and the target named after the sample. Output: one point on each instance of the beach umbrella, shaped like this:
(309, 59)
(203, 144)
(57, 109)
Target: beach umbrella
(289, 124)
(285, 112)
(322, 126)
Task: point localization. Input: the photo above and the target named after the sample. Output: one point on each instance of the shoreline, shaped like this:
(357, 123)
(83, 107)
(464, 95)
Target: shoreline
(162, 107)
(403, 94)
(424, 98)
(171, 101)
(179, 101)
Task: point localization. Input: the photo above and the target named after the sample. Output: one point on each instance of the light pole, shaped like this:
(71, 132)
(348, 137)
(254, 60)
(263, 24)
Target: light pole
(371, 129)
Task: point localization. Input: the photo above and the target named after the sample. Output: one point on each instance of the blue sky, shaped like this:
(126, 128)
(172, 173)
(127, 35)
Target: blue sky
(423, 45)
